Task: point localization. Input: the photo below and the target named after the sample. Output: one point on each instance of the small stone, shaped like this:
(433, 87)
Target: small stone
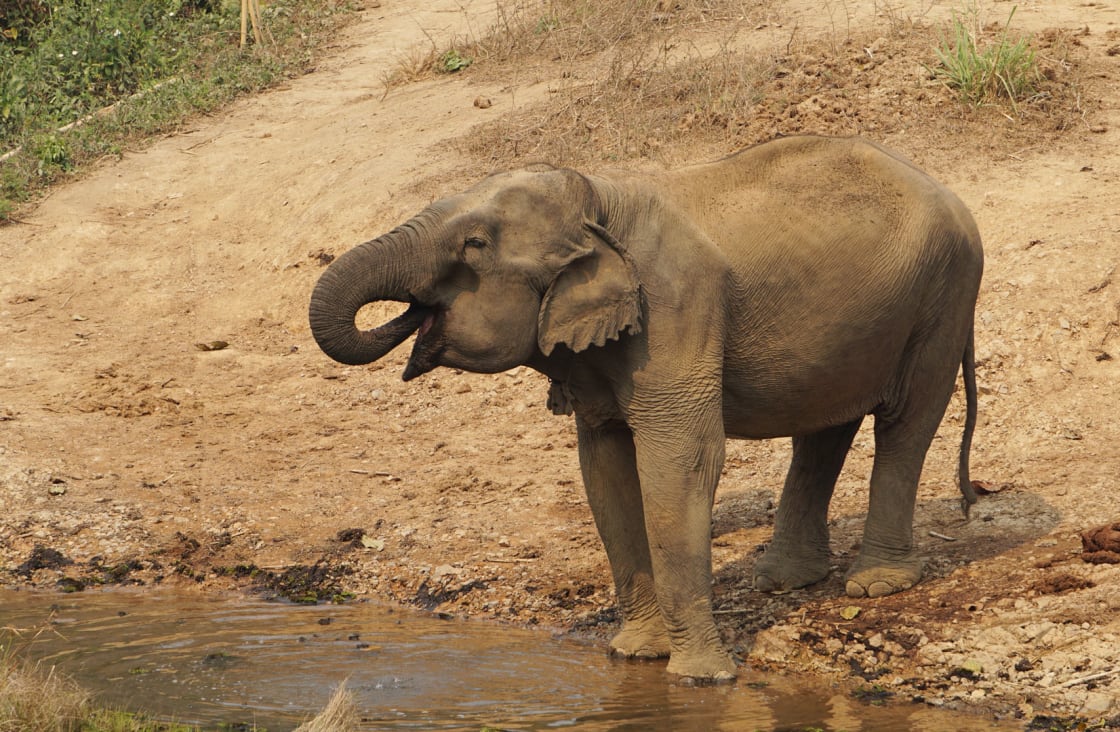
(1097, 704)
(772, 645)
(931, 655)
(443, 570)
(503, 541)
(973, 666)
(875, 641)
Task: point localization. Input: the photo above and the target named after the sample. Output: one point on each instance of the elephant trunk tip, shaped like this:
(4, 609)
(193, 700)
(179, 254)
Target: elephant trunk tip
(337, 334)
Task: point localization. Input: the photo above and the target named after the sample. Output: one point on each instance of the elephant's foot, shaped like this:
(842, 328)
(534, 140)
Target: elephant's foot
(641, 640)
(877, 578)
(782, 569)
(713, 666)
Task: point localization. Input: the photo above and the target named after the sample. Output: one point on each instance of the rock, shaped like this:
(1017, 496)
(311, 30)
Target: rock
(1097, 704)
(973, 667)
(774, 644)
(931, 654)
(444, 570)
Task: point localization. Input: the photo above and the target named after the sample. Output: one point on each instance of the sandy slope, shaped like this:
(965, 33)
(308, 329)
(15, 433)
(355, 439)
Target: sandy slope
(140, 457)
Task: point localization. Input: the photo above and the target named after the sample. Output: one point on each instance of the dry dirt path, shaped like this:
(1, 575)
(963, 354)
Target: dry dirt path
(138, 457)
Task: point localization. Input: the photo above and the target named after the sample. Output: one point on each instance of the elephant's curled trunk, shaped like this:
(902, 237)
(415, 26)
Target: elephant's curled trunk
(381, 269)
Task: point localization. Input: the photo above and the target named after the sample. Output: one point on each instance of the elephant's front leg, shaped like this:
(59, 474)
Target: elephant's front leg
(610, 475)
(679, 469)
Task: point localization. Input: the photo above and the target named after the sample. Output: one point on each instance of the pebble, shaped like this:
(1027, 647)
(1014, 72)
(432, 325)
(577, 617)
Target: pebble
(1097, 703)
(444, 570)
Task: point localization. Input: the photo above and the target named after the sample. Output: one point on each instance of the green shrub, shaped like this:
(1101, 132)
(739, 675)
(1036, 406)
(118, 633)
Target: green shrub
(158, 61)
(978, 73)
(453, 61)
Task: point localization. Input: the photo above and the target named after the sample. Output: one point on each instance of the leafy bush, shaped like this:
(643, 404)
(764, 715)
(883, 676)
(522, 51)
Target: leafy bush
(453, 61)
(159, 61)
(86, 54)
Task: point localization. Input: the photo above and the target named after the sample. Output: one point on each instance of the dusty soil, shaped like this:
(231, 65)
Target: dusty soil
(133, 450)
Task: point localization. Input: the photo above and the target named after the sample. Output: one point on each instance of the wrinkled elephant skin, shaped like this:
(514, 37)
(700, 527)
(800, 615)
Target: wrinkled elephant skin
(787, 290)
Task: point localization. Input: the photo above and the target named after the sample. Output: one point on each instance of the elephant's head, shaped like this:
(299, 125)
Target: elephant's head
(493, 278)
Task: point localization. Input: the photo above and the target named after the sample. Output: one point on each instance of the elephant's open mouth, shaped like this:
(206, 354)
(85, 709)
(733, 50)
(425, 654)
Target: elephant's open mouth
(428, 345)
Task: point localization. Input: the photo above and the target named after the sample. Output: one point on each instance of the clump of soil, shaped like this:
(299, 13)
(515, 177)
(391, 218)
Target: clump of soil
(305, 584)
(42, 557)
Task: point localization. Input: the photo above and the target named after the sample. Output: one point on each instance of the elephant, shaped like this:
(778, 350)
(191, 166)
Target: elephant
(787, 290)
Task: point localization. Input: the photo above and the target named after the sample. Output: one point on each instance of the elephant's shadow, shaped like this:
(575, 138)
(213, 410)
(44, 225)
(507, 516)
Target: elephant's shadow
(999, 523)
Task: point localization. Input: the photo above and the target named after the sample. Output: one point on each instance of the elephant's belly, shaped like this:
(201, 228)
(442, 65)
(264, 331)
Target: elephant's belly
(784, 408)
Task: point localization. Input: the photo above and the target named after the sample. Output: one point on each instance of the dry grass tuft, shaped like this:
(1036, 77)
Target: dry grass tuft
(33, 699)
(556, 33)
(662, 87)
(340, 714)
(676, 80)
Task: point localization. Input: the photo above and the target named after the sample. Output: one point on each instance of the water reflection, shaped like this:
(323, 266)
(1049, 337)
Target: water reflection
(204, 660)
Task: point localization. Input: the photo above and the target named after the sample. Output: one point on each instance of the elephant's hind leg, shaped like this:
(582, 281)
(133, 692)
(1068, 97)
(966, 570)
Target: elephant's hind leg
(798, 554)
(887, 561)
(610, 475)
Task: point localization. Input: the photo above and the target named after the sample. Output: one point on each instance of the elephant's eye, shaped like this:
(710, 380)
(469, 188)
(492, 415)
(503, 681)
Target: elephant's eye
(476, 252)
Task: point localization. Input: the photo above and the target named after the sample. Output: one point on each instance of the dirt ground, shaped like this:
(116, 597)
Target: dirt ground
(136, 449)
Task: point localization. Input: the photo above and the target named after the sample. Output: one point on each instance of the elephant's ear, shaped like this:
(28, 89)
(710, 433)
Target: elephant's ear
(594, 298)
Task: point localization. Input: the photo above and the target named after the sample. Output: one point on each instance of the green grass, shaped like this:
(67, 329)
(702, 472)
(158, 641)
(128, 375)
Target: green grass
(82, 79)
(982, 72)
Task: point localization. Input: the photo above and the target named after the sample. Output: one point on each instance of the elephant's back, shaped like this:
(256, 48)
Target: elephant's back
(808, 191)
(808, 175)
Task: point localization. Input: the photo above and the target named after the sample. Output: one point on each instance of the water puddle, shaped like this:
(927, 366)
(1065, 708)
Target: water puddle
(206, 660)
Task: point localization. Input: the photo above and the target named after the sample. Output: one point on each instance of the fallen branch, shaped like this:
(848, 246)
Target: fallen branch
(1090, 677)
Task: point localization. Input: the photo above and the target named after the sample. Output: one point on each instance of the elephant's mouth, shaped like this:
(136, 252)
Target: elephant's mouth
(428, 345)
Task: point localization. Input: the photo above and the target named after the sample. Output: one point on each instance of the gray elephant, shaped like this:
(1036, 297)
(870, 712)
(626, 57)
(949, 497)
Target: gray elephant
(787, 290)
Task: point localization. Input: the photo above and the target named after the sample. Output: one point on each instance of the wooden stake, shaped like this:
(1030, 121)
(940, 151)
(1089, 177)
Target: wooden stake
(244, 20)
(255, 16)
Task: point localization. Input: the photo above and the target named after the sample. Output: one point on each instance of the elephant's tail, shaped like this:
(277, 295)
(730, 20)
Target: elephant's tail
(968, 369)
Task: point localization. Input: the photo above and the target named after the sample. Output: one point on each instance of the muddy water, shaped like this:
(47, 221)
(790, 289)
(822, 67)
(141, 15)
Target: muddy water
(209, 661)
